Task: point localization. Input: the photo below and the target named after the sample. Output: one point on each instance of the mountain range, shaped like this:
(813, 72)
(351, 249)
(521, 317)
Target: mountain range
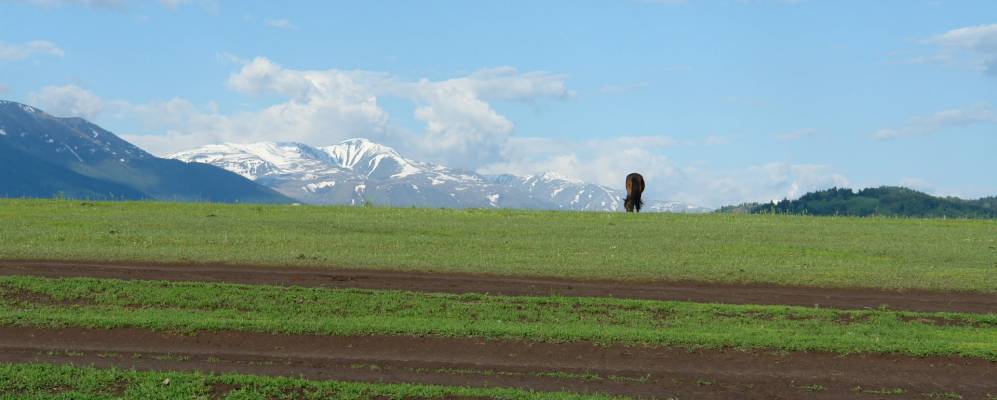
(46, 156)
(359, 171)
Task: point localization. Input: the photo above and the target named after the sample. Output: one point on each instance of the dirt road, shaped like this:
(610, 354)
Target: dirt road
(914, 300)
(576, 367)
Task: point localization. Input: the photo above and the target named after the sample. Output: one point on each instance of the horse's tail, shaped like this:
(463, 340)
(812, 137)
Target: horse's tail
(635, 190)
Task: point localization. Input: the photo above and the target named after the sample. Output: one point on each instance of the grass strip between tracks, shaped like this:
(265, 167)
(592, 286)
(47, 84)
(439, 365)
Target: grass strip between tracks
(43, 381)
(891, 253)
(190, 306)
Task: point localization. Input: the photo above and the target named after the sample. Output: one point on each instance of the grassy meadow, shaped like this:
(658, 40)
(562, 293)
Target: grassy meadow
(939, 254)
(42, 381)
(191, 306)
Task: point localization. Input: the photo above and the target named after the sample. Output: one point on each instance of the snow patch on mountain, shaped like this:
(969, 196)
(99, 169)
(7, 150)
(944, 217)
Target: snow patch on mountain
(358, 171)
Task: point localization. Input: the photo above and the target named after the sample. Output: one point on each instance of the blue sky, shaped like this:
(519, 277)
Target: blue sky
(715, 102)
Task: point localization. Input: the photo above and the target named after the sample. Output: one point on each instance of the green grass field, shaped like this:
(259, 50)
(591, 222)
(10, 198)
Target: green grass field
(41, 381)
(186, 306)
(889, 253)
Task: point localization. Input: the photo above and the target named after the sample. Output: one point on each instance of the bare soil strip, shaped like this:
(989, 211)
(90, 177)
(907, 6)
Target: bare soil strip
(576, 367)
(842, 298)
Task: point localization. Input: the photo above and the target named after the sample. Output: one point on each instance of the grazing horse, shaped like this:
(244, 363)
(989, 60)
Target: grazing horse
(635, 186)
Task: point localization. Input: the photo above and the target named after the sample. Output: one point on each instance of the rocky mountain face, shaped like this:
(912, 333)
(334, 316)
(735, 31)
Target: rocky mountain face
(359, 171)
(44, 156)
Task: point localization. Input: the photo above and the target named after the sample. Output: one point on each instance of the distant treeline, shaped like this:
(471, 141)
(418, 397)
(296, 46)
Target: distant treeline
(884, 201)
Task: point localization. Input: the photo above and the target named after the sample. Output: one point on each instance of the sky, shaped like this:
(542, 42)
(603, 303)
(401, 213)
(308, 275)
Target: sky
(714, 102)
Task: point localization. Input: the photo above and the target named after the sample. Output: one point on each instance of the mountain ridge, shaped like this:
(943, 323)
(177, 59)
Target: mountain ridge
(880, 201)
(357, 171)
(47, 156)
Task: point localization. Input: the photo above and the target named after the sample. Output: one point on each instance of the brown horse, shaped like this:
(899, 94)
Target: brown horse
(635, 186)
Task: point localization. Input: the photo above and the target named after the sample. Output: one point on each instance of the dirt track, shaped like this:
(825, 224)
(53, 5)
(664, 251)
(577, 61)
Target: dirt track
(651, 372)
(576, 367)
(471, 283)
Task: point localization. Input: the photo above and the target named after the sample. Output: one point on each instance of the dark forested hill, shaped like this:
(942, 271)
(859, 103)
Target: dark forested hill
(884, 200)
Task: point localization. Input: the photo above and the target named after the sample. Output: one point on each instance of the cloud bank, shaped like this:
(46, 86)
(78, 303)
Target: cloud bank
(15, 52)
(981, 41)
(940, 121)
(460, 127)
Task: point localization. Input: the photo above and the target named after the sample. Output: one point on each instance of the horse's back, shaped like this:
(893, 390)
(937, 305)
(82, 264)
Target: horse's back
(635, 177)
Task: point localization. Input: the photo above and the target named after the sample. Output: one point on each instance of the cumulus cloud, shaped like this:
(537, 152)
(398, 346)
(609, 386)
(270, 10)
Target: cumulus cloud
(917, 184)
(67, 101)
(954, 118)
(797, 134)
(607, 161)
(280, 23)
(14, 52)
(461, 126)
(979, 40)
(716, 140)
(85, 3)
(209, 5)
(173, 4)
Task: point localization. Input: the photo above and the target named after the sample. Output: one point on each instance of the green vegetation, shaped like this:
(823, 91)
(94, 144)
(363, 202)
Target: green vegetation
(182, 306)
(793, 250)
(882, 201)
(41, 381)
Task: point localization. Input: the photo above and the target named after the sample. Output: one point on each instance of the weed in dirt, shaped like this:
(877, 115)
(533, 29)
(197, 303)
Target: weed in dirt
(171, 357)
(942, 395)
(813, 388)
(885, 391)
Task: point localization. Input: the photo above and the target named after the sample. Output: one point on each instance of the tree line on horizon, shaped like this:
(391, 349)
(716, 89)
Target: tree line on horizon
(892, 201)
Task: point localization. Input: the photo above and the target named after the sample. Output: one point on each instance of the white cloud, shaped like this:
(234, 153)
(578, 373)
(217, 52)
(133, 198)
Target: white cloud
(67, 101)
(942, 120)
(980, 40)
(715, 140)
(85, 3)
(462, 128)
(208, 5)
(280, 23)
(14, 52)
(623, 88)
(326, 106)
(225, 57)
(173, 4)
(797, 134)
(4, 88)
(917, 184)
(607, 161)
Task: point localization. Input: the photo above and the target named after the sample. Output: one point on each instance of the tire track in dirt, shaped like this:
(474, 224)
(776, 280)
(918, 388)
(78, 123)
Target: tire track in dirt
(842, 298)
(576, 367)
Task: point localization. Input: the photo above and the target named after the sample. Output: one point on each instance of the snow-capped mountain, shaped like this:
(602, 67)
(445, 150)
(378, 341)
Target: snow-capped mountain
(42, 155)
(358, 171)
(674, 207)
